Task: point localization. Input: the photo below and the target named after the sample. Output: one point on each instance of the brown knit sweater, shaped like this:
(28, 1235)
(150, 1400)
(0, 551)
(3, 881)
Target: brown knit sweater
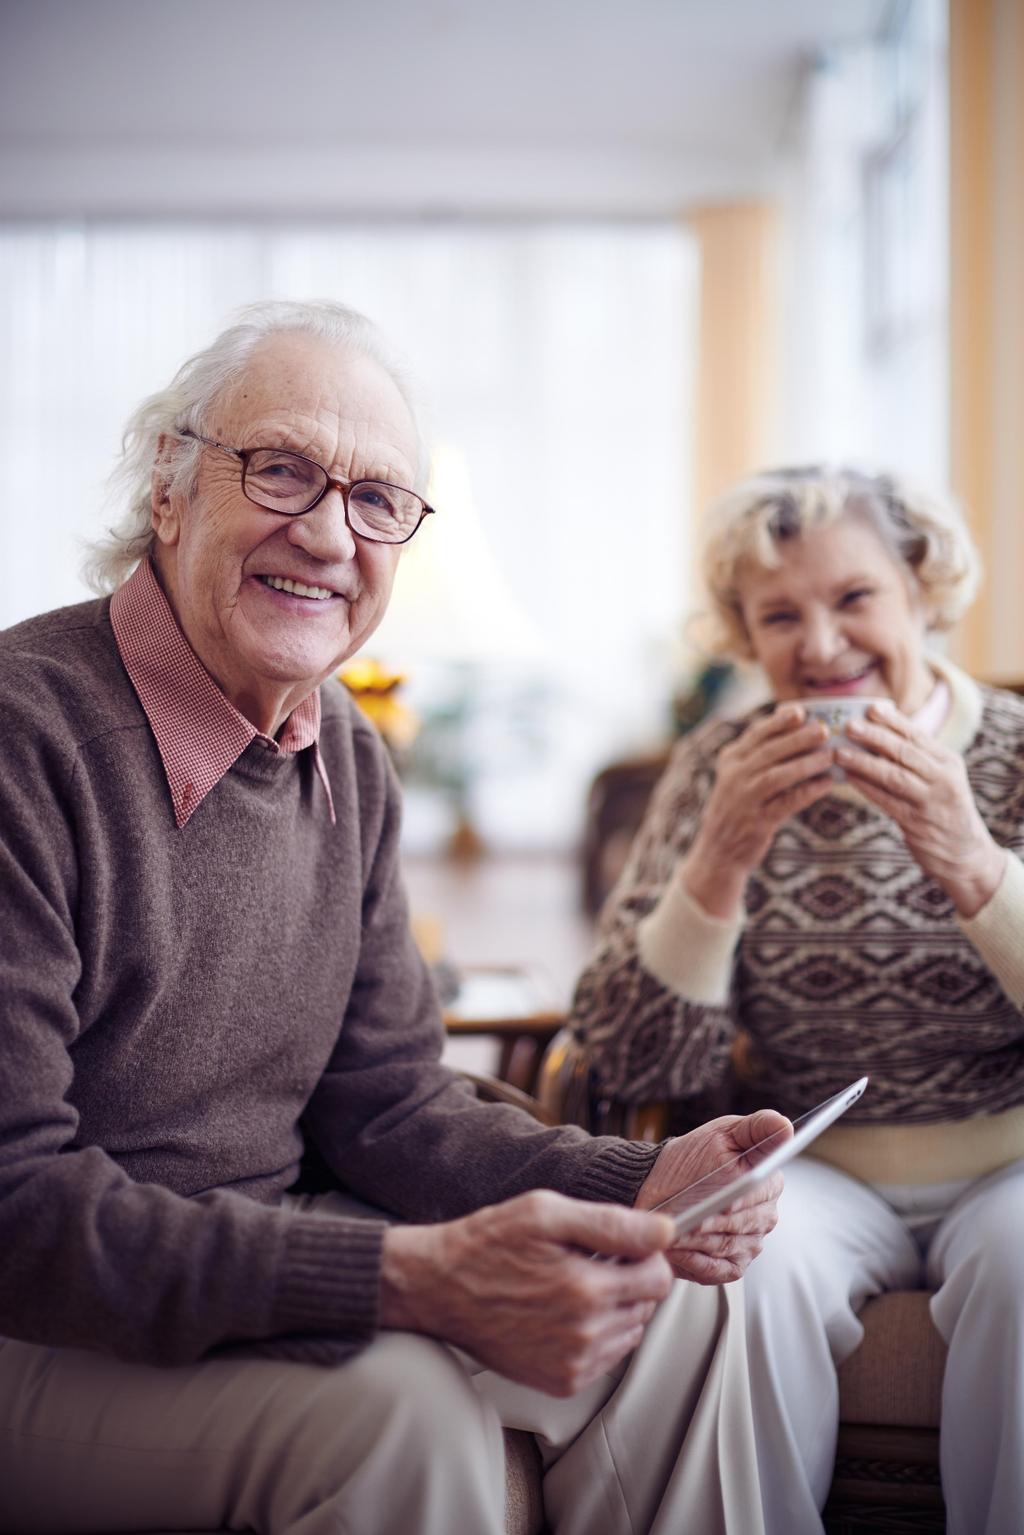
(177, 1006)
(849, 960)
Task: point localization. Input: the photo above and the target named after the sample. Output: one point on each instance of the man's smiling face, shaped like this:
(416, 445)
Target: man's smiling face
(222, 560)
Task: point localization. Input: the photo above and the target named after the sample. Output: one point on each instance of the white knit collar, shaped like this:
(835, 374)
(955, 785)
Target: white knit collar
(963, 717)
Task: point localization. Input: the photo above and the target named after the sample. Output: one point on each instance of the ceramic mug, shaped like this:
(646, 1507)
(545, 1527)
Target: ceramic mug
(835, 714)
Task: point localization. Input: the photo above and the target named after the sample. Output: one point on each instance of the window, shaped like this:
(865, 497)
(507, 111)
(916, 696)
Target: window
(553, 360)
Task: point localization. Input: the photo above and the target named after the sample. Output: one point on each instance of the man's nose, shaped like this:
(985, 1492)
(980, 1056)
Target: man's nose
(324, 532)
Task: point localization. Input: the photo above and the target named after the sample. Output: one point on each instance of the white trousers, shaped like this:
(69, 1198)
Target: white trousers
(404, 1439)
(837, 1243)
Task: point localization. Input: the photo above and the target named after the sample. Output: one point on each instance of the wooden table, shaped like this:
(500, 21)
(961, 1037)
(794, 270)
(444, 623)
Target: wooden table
(512, 1006)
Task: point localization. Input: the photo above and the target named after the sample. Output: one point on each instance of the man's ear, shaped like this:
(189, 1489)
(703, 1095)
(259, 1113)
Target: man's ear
(164, 514)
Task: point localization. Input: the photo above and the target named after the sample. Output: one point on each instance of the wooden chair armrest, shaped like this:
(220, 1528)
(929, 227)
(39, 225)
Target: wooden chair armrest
(522, 1032)
(567, 1090)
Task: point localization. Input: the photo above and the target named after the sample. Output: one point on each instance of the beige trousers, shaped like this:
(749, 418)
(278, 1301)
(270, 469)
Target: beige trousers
(404, 1438)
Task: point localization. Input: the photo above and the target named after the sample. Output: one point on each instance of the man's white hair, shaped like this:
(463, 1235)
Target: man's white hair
(188, 401)
(749, 526)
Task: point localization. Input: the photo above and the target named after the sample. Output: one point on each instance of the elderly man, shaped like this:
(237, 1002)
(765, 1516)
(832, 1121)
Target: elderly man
(206, 965)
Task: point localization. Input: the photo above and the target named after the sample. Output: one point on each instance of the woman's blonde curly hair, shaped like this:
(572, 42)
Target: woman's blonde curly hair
(751, 523)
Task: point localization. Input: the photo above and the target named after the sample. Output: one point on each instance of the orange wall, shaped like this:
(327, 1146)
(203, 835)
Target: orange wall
(736, 397)
(986, 48)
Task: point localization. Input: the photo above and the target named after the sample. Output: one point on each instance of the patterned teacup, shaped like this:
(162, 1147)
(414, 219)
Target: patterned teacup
(835, 714)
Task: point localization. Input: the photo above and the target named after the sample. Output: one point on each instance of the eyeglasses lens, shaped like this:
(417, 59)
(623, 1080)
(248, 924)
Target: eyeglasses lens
(285, 482)
(384, 511)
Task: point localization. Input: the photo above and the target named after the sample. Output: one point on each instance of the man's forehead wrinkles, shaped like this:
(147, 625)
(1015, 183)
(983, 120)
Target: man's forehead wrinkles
(342, 411)
(337, 441)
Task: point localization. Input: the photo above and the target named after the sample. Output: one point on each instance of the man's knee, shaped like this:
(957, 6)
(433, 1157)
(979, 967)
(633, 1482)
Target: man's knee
(399, 1425)
(417, 1369)
(418, 1385)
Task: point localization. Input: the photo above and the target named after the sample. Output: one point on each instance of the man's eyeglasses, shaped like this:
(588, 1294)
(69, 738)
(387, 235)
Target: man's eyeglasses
(290, 484)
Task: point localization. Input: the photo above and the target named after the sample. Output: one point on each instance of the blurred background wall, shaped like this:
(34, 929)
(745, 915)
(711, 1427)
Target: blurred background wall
(632, 249)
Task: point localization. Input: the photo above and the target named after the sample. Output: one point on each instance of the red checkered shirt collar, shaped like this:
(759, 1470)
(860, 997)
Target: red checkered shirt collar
(200, 735)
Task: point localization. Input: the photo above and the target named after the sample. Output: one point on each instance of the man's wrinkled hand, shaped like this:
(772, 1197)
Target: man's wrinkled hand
(514, 1285)
(721, 1246)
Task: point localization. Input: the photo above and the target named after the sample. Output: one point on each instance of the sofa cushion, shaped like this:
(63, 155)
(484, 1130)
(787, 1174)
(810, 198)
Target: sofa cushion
(895, 1376)
(524, 1506)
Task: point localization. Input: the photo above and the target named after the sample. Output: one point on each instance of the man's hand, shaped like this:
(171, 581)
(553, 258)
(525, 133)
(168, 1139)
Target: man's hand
(722, 1246)
(515, 1286)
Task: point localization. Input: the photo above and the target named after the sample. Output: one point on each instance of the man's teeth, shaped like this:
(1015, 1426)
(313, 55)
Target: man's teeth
(282, 584)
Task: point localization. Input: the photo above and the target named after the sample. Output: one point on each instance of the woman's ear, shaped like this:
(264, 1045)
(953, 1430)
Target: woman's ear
(742, 644)
(922, 604)
(164, 513)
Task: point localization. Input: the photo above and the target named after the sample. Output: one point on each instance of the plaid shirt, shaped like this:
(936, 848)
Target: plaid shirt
(199, 733)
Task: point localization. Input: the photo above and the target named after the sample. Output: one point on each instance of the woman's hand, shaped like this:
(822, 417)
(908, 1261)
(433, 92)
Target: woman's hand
(722, 1246)
(775, 769)
(923, 786)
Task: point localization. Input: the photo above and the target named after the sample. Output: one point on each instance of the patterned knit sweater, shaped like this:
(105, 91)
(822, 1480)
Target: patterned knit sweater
(849, 960)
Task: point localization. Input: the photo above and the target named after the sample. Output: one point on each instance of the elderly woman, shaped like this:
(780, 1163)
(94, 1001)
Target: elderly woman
(805, 910)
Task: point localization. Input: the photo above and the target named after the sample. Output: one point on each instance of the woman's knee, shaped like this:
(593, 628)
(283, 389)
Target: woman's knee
(979, 1248)
(986, 1274)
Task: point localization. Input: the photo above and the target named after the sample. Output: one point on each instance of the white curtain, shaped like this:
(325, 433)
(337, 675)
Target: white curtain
(554, 360)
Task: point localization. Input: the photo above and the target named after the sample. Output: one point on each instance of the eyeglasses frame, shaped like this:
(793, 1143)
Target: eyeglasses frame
(343, 487)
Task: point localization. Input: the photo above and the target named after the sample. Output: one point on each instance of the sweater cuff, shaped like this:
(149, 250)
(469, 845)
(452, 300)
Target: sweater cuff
(688, 949)
(330, 1277)
(617, 1170)
(995, 930)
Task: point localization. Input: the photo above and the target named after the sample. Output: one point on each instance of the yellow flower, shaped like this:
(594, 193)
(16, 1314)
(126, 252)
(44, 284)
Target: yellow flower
(374, 688)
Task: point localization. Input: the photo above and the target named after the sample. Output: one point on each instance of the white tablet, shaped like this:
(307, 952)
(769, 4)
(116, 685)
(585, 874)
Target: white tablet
(721, 1187)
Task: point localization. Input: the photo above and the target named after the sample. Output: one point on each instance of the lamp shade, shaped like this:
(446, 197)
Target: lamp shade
(451, 602)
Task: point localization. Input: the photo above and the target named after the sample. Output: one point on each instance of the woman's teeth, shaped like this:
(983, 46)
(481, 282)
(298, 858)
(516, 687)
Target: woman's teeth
(297, 589)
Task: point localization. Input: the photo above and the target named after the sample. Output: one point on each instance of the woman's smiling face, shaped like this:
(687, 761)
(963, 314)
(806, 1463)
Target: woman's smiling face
(839, 615)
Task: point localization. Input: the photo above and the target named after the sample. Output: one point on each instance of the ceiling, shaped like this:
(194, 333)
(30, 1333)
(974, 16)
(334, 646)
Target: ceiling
(623, 106)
